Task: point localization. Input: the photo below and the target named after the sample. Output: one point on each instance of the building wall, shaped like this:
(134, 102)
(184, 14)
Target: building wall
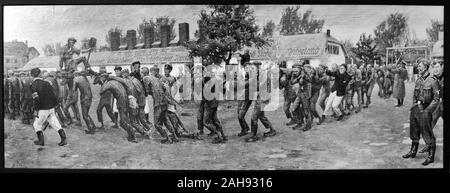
(332, 58)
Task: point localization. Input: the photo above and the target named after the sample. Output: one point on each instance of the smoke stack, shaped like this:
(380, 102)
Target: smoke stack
(328, 32)
(114, 41)
(183, 33)
(165, 35)
(131, 39)
(149, 35)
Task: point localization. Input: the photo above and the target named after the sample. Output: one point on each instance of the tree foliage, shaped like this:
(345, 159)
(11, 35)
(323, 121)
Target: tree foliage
(296, 23)
(156, 24)
(223, 31)
(268, 29)
(433, 30)
(365, 49)
(391, 32)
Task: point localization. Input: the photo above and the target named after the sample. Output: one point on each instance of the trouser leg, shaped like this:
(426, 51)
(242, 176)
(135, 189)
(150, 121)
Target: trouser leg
(209, 120)
(100, 106)
(329, 104)
(124, 123)
(436, 114)
(147, 125)
(85, 106)
(200, 116)
(243, 107)
(335, 105)
(307, 112)
(414, 131)
(313, 102)
(158, 118)
(425, 120)
(286, 105)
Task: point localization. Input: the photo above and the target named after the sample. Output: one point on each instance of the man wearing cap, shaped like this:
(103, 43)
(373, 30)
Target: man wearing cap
(303, 96)
(82, 84)
(106, 101)
(15, 87)
(27, 99)
(154, 87)
(120, 94)
(425, 101)
(68, 64)
(45, 102)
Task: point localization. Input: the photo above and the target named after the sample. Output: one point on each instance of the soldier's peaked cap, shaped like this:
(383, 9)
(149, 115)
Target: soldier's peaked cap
(72, 39)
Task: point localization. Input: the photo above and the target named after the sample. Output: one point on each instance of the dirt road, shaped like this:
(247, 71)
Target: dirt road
(372, 139)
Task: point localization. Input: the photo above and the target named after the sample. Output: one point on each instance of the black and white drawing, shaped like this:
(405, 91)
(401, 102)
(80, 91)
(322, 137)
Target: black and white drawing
(223, 87)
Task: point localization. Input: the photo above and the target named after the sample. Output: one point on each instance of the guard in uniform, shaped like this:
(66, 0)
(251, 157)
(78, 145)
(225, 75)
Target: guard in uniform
(5, 95)
(425, 101)
(27, 99)
(15, 87)
(439, 76)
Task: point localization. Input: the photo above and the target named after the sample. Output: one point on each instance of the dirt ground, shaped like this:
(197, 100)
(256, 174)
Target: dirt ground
(372, 139)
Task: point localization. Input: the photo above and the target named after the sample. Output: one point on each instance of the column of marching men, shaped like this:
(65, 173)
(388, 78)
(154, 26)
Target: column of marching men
(309, 93)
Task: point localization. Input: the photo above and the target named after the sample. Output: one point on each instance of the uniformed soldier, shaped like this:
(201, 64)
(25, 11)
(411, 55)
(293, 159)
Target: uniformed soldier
(15, 87)
(303, 96)
(5, 95)
(285, 78)
(106, 101)
(62, 95)
(438, 69)
(425, 101)
(27, 99)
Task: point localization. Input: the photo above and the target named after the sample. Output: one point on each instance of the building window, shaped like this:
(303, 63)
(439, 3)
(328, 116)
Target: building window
(332, 49)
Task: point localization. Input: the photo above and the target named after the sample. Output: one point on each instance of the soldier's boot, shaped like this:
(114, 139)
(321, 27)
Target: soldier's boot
(412, 152)
(291, 122)
(430, 158)
(367, 102)
(40, 137)
(131, 136)
(252, 138)
(62, 135)
(243, 133)
(307, 127)
(270, 133)
(425, 149)
(217, 140)
(340, 117)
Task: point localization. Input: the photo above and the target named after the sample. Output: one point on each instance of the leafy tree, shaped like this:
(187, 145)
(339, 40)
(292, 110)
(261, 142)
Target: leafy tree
(433, 30)
(365, 49)
(268, 29)
(49, 50)
(390, 32)
(296, 23)
(156, 25)
(223, 31)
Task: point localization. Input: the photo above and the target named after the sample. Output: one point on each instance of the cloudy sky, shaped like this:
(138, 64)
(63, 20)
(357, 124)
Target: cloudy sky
(51, 24)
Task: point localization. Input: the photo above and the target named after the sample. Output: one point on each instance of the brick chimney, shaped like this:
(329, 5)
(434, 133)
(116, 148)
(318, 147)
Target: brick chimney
(131, 39)
(149, 35)
(114, 41)
(328, 32)
(183, 33)
(165, 35)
